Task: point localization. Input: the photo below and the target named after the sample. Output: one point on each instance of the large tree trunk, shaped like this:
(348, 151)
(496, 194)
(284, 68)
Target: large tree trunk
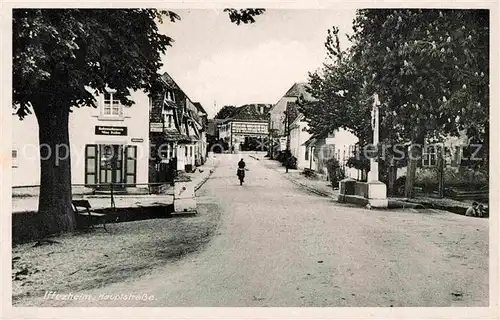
(54, 205)
(416, 152)
(391, 178)
(440, 171)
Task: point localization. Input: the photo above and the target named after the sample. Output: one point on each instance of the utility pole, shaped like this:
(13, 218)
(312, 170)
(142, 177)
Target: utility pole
(271, 151)
(287, 132)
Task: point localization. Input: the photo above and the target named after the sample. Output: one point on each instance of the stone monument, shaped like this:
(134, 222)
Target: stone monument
(377, 190)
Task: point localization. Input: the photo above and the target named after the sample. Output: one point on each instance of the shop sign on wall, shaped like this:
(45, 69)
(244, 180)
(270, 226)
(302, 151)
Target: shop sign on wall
(110, 131)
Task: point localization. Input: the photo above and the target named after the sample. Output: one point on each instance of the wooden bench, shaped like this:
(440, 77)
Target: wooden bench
(94, 218)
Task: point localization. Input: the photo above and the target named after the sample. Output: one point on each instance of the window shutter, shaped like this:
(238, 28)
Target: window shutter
(130, 166)
(91, 164)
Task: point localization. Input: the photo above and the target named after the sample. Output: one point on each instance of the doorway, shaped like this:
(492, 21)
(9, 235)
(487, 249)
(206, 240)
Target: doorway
(111, 166)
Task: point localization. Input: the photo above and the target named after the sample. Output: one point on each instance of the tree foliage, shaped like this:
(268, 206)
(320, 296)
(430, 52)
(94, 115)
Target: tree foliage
(245, 16)
(341, 102)
(429, 67)
(226, 112)
(59, 54)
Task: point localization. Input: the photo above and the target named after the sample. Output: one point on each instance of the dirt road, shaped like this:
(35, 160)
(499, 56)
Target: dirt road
(279, 246)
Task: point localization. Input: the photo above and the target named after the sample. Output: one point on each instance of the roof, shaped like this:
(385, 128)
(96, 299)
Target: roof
(169, 81)
(298, 89)
(310, 141)
(174, 135)
(199, 107)
(256, 111)
(158, 102)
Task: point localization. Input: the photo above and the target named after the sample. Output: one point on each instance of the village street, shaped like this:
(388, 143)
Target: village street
(278, 245)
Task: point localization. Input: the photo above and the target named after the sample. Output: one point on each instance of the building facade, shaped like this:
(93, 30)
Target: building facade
(109, 144)
(298, 137)
(177, 131)
(247, 129)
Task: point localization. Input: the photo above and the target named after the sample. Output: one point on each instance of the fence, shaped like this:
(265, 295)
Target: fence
(83, 189)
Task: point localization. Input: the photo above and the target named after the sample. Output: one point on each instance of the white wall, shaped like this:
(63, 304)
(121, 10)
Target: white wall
(26, 169)
(343, 139)
(299, 135)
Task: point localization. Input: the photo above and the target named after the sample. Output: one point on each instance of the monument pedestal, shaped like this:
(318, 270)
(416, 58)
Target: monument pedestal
(377, 194)
(184, 197)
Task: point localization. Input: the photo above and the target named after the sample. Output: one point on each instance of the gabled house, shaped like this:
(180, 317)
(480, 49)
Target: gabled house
(176, 129)
(277, 113)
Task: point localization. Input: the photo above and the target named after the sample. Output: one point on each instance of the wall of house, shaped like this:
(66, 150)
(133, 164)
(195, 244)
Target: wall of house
(277, 115)
(82, 131)
(25, 148)
(298, 136)
(340, 144)
(243, 129)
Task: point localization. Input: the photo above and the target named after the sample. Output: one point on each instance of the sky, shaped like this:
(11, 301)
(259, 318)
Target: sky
(219, 63)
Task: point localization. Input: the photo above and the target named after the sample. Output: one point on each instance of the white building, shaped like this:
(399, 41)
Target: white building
(247, 127)
(277, 113)
(298, 137)
(109, 144)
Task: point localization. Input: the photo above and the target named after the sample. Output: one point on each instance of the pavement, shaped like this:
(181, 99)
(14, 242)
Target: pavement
(278, 246)
(317, 186)
(322, 187)
(30, 203)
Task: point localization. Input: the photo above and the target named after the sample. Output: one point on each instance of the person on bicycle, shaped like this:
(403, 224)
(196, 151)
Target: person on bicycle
(241, 169)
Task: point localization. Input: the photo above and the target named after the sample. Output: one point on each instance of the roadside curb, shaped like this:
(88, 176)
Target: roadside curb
(203, 180)
(306, 187)
(393, 203)
(312, 190)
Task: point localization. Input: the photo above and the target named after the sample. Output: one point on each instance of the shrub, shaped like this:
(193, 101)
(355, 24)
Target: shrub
(335, 171)
(292, 162)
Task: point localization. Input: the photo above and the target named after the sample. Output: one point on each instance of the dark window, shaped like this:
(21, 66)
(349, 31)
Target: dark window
(130, 165)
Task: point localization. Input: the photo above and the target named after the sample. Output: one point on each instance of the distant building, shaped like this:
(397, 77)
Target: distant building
(277, 113)
(247, 129)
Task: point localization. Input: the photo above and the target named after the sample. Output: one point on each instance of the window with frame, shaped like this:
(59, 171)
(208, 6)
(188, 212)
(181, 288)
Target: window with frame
(169, 119)
(111, 105)
(429, 156)
(170, 95)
